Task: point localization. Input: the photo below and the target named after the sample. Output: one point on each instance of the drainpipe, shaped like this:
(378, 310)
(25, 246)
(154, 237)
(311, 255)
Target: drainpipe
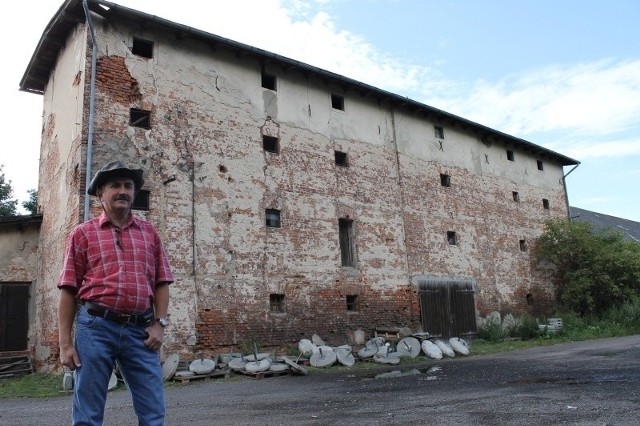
(402, 202)
(566, 194)
(92, 99)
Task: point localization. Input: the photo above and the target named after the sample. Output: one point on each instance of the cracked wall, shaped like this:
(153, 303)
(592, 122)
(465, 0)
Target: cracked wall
(210, 182)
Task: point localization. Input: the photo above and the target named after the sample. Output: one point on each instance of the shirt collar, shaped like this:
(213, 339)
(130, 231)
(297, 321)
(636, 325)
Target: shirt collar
(103, 220)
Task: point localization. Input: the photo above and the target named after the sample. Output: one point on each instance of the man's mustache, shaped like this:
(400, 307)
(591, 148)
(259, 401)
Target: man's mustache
(121, 197)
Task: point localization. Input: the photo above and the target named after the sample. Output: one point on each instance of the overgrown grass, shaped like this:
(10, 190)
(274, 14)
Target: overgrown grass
(36, 385)
(622, 321)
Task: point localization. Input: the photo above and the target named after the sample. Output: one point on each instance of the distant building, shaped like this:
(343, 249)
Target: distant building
(629, 229)
(291, 200)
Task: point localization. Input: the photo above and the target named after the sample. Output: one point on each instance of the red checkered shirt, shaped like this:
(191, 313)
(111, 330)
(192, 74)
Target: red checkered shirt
(116, 268)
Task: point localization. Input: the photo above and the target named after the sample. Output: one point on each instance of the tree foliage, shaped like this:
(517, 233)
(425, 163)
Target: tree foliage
(7, 203)
(31, 205)
(594, 270)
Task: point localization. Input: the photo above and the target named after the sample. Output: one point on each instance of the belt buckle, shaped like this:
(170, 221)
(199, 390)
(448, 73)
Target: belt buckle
(126, 319)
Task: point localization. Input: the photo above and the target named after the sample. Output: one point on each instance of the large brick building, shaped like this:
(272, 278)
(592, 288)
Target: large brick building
(291, 200)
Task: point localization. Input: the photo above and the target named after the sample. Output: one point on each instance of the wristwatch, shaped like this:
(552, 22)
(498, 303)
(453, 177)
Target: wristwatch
(164, 321)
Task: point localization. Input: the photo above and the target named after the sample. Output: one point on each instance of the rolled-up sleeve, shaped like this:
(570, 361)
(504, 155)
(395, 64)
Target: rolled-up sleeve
(75, 264)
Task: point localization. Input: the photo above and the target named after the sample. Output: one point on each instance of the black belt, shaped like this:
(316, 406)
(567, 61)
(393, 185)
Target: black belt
(100, 311)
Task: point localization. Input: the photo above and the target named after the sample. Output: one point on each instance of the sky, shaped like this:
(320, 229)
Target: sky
(563, 74)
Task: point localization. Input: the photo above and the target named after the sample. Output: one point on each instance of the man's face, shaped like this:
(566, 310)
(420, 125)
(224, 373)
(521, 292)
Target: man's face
(117, 194)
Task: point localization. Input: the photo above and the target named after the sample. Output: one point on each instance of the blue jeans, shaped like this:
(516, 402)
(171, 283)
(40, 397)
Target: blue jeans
(100, 344)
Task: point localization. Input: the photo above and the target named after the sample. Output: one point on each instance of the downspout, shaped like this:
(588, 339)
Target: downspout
(92, 99)
(566, 194)
(402, 203)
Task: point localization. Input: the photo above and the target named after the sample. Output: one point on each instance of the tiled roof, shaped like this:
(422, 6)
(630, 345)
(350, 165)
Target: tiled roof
(629, 228)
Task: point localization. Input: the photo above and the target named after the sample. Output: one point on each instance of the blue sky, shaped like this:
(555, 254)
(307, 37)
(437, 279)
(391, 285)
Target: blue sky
(561, 74)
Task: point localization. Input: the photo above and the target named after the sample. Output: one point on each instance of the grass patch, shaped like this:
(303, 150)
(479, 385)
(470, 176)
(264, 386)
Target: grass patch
(36, 385)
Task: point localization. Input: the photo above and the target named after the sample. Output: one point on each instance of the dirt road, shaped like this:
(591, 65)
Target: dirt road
(595, 382)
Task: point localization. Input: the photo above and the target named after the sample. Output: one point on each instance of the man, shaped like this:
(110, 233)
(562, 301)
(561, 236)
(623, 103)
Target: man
(116, 269)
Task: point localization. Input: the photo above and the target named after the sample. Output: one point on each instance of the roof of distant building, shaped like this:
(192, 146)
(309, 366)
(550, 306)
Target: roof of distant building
(629, 229)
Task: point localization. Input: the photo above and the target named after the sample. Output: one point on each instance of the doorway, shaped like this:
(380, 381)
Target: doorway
(14, 316)
(447, 306)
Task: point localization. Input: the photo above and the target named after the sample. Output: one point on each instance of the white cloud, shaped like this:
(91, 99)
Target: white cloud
(594, 150)
(598, 98)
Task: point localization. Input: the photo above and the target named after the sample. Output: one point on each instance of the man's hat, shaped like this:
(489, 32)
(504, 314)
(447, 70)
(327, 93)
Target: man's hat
(115, 169)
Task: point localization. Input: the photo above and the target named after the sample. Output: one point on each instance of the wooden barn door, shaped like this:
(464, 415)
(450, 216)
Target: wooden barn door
(14, 316)
(447, 307)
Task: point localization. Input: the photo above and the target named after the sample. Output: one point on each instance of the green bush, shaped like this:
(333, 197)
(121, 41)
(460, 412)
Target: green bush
(528, 328)
(594, 271)
(491, 330)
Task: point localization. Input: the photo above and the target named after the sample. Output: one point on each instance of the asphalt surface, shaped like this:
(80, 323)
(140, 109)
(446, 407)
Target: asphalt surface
(595, 382)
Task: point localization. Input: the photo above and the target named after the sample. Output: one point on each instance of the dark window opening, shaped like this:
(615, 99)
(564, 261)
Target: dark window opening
(529, 297)
(545, 204)
(276, 303)
(347, 247)
(271, 144)
(272, 217)
(142, 48)
(540, 165)
(337, 102)
(141, 201)
(352, 302)
(341, 158)
(523, 245)
(452, 239)
(445, 180)
(510, 155)
(516, 196)
(268, 81)
(140, 118)
(439, 132)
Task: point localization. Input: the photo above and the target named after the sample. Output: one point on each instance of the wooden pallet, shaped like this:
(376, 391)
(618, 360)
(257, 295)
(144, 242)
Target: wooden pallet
(214, 374)
(15, 364)
(264, 374)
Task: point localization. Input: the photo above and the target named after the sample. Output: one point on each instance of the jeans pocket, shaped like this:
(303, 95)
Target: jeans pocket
(84, 319)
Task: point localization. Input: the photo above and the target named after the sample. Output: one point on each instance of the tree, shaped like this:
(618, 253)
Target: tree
(594, 271)
(7, 204)
(31, 205)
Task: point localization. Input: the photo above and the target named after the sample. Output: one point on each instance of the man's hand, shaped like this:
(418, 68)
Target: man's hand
(155, 336)
(69, 357)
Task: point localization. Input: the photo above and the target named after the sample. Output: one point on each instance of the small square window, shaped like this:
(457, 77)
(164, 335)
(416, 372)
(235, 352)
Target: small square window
(452, 239)
(142, 48)
(268, 81)
(276, 303)
(271, 144)
(141, 200)
(140, 118)
(445, 180)
(510, 155)
(352, 302)
(341, 158)
(272, 217)
(545, 204)
(337, 102)
(523, 245)
(516, 196)
(540, 165)
(439, 132)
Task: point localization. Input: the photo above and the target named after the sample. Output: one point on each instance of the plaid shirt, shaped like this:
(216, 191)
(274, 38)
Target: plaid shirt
(116, 268)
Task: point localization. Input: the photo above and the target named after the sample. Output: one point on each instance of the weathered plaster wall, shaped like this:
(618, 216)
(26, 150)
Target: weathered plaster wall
(60, 185)
(210, 182)
(18, 252)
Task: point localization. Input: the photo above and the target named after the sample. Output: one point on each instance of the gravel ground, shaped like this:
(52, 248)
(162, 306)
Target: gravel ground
(595, 382)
